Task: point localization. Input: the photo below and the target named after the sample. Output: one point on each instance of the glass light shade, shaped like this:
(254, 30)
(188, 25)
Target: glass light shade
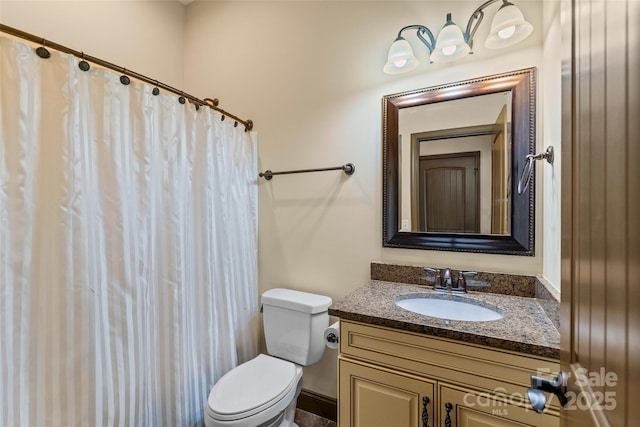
(400, 58)
(450, 44)
(508, 27)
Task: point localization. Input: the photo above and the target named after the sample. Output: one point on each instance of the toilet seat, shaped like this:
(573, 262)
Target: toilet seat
(252, 388)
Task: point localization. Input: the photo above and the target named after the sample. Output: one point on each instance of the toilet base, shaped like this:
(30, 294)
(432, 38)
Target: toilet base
(290, 412)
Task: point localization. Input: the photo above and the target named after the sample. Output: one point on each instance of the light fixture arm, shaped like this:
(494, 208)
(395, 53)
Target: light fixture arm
(475, 20)
(472, 26)
(420, 31)
(508, 28)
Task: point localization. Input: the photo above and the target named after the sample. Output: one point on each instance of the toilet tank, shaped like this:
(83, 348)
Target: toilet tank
(294, 324)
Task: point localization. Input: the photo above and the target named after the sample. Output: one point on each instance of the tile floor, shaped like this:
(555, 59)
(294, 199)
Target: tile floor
(307, 419)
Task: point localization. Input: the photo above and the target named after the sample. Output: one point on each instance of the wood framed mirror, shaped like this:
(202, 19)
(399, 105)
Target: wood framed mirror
(451, 159)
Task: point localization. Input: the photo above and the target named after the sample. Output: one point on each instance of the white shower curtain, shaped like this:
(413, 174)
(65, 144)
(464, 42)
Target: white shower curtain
(128, 239)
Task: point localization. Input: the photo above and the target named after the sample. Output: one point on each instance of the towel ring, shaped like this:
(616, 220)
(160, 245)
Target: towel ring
(527, 171)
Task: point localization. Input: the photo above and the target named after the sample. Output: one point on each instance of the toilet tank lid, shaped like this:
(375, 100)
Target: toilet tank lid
(296, 300)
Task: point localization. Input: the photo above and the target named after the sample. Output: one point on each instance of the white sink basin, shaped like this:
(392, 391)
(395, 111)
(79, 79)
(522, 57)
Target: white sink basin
(449, 307)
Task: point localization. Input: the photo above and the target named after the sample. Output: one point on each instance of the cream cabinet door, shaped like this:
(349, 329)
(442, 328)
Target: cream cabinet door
(464, 408)
(379, 397)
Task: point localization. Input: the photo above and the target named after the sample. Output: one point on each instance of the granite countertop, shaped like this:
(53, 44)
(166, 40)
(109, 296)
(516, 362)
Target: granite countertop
(525, 327)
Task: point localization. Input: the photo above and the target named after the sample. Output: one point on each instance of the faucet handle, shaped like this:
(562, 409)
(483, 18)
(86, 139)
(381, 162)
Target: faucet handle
(461, 283)
(438, 278)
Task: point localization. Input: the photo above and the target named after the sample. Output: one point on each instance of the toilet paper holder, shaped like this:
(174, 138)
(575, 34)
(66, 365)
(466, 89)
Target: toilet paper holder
(332, 335)
(332, 338)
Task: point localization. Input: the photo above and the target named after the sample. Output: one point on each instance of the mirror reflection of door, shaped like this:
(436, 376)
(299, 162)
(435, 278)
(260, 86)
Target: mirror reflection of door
(455, 142)
(449, 193)
(478, 123)
(500, 168)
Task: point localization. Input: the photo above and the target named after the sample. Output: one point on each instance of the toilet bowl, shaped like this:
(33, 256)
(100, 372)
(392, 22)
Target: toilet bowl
(263, 391)
(259, 393)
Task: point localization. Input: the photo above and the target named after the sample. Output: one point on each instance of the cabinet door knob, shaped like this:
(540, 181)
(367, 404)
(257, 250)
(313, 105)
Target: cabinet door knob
(425, 411)
(447, 421)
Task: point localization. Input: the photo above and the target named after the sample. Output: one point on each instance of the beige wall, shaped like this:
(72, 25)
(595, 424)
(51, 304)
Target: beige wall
(143, 36)
(309, 75)
(551, 123)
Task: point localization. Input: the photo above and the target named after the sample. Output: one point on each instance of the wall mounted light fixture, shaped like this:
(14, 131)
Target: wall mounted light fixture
(507, 28)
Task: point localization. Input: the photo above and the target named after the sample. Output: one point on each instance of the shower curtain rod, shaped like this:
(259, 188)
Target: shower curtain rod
(211, 103)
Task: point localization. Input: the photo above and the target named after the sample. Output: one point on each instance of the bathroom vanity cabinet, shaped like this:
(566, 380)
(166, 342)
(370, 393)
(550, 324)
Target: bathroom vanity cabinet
(392, 378)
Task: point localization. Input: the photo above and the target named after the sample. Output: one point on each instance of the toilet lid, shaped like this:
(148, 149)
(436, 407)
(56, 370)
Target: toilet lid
(252, 386)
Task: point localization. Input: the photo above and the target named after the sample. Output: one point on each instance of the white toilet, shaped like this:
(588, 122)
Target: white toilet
(263, 391)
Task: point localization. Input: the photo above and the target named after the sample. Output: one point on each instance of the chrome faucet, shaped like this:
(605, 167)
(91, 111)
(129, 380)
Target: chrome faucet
(446, 278)
(461, 282)
(444, 281)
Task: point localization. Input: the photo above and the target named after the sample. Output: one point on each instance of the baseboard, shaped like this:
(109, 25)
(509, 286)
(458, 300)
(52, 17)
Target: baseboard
(324, 406)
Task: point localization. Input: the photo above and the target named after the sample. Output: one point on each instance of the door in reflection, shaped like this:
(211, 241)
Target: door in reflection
(449, 187)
